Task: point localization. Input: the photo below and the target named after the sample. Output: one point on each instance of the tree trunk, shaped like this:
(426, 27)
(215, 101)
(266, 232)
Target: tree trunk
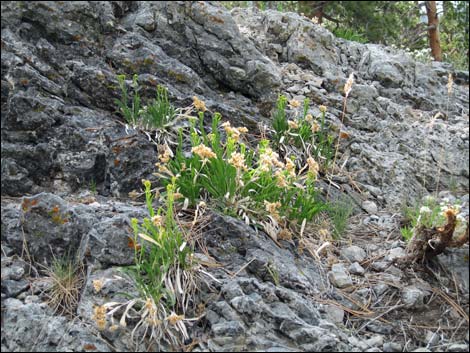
(433, 30)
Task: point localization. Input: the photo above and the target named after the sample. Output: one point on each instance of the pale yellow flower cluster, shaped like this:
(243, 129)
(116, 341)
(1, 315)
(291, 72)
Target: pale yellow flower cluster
(281, 179)
(163, 169)
(293, 103)
(450, 84)
(203, 151)
(272, 208)
(290, 167)
(133, 194)
(199, 104)
(165, 156)
(315, 127)
(293, 124)
(285, 234)
(308, 118)
(100, 317)
(151, 319)
(313, 167)
(157, 220)
(97, 285)
(178, 195)
(238, 161)
(234, 132)
(322, 108)
(348, 85)
(173, 318)
(268, 159)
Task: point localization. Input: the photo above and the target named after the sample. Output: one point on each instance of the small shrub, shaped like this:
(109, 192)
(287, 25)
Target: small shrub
(254, 184)
(428, 214)
(308, 134)
(339, 213)
(66, 275)
(160, 112)
(350, 34)
(165, 275)
(130, 113)
(157, 114)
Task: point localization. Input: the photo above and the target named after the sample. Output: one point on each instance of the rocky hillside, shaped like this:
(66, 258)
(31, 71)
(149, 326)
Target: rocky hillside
(66, 150)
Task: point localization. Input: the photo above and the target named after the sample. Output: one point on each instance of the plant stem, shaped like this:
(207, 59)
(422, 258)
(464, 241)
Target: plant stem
(337, 143)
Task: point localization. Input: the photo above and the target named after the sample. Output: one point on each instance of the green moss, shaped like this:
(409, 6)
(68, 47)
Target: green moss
(148, 61)
(39, 109)
(179, 77)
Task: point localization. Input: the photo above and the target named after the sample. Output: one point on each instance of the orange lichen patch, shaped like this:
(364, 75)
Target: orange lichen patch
(116, 162)
(76, 37)
(89, 347)
(343, 135)
(216, 19)
(27, 204)
(132, 244)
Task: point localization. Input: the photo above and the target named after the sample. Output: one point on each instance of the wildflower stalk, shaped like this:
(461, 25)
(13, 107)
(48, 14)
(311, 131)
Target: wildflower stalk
(347, 90)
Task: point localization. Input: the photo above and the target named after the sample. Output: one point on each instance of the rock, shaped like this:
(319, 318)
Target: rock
(380, 328)
(356, 269)
(395, 253)
(421, 349)
(380, 288)
(12, 288)
(334, 313)
(353, 254)
(455, 260)
(458, 348)
(375, 341)
(380, 266)
(33, 327)
(412, 297)
(338, 276)
(61, 135)
(431, 339)
(228, 328)
(13, 272)
(370, 207)
(392, 347)
(358, 343)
